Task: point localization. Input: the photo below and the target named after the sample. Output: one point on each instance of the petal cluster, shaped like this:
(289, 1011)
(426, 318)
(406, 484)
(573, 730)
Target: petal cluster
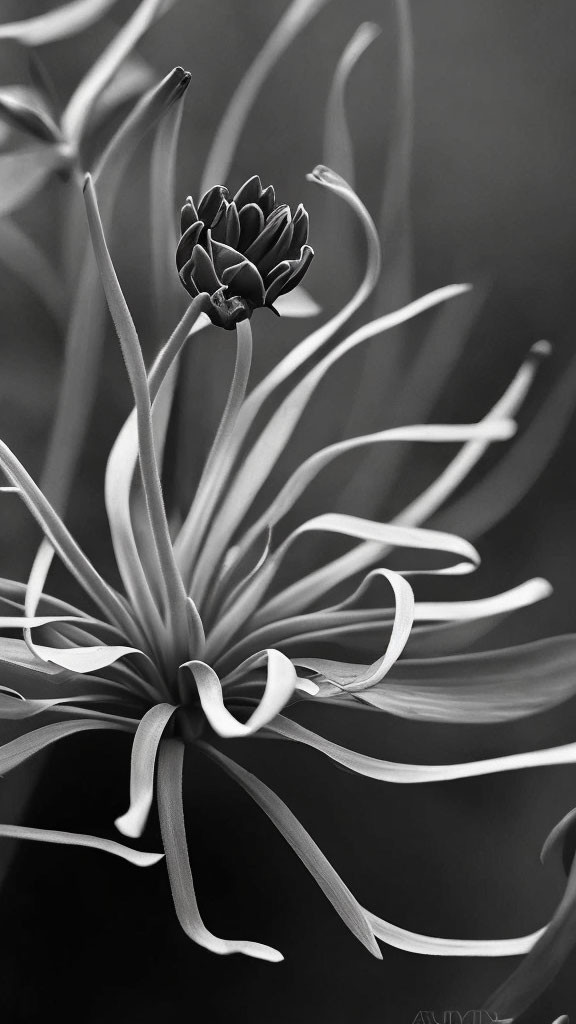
(244, 252)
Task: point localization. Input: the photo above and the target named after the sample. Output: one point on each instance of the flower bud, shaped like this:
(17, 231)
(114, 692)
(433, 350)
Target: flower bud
(244, 251)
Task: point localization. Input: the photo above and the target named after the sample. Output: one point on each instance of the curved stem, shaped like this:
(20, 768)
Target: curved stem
(192, 532)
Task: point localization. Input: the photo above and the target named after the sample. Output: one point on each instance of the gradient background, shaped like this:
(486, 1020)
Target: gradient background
(84, 937)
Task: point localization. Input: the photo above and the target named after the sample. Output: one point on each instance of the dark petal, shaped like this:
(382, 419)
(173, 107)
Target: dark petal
(206, 242)
(211, 203)
(219, 224)
(251, 224)
(232, 226)
(224, 257)
(287, 275)
(273, 229)
(188, 215)
(280, 211)
(277, 252)
(185, 277)
(250, 192)
(276, 271)
(202, 271)
(267, 201)
(300, 235)
(245, 281)
(276, 281)
(300, 268)
(187, 243)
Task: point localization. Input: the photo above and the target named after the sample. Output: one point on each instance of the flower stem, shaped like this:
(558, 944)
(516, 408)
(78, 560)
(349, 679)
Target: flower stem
(216, 469)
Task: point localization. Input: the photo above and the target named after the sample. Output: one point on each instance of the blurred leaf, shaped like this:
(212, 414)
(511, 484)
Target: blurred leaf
(494, 686)
(133, 77)
(23, 257)
(505, 485)
(79, 107)
(338, 151)
(221, 154)
(395, 229)
(413, 400)
(57, 24)
(169, 297)
(24, 109)
(23, 172)
(382, 372)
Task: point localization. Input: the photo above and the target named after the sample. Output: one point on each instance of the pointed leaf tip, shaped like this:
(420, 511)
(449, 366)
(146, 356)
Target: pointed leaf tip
(542, 349)
(323, 175)
(185, 80)
(560, 840)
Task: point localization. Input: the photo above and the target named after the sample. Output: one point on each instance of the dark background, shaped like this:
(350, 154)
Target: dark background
(85, 937)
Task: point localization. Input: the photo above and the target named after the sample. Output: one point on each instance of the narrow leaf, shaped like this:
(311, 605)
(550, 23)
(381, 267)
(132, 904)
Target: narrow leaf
(19, 750)
(79, 108)
(280, 685)
(231, 127)
(304, 846)
(43, 835)
(429, 945)
(338, 151)
(487, 687)
(144, 749)
(171, 757)
(60, 23)
(23, 172)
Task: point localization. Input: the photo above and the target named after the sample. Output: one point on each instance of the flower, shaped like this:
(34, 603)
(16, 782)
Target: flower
(202, 644)
(244, 252)
(202, 647)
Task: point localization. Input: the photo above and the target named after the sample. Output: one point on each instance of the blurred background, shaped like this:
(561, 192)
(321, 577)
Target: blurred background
(491, 201)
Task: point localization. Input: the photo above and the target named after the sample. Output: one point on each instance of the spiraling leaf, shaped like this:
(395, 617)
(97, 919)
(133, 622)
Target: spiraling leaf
(280, 685)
